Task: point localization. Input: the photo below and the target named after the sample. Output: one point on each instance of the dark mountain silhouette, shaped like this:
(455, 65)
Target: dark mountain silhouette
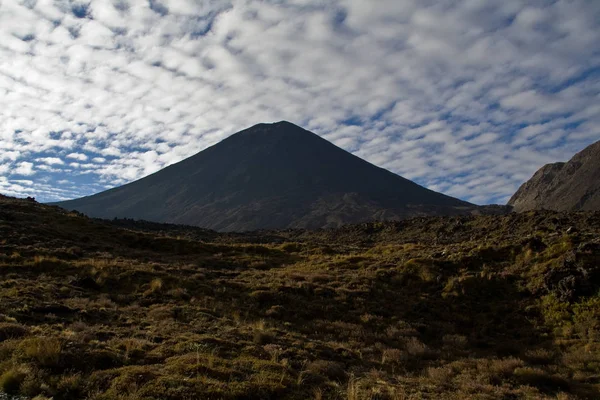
(270, 176)
(570, 186)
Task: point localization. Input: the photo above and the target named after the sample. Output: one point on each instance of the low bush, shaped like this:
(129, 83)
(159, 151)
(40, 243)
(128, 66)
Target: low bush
(12, 331)
(44, 351)
(10, 381)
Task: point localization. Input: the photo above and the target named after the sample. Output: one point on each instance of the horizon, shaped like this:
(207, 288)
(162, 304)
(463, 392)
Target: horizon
(466, 98)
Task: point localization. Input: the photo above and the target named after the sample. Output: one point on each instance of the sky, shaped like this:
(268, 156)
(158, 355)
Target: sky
(466, 97)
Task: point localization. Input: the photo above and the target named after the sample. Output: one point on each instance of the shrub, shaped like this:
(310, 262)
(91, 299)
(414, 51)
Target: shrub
(586, 358)
(70, 386)
(324, 250)
(179, 293)
(555, 312)
(12, 331)
(291, 247)
(330, 369)
(539, 356)
(155, 286)
(420, 269)
(263, 296)
(43, 350)
(78, 326)
(274, 351)
(47, 262)
(10, 381)
(256, 249)
(275, 312)
(132, 347)
(32, 384)
(259, 264)
(587, 318)
(504, 368)
(540, 379)
(260, 337)
(7, 348)
(416, 348)
(391, 356)
(99, 360)
(455, 341)
(440, 375)
(557, 249)
(161, 313)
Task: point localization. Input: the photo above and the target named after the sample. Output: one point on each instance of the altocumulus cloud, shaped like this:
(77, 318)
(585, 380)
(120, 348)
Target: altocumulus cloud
(466, 97)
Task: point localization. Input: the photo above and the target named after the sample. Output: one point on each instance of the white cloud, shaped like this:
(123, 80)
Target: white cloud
(50, 160)
(78, 156)
(23, 168)
(9, 155)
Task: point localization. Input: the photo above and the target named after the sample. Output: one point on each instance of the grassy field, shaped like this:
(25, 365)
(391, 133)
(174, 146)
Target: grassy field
(489, 307)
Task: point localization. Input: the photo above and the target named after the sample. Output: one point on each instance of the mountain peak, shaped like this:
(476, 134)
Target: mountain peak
(284, 123)
(281, 127)
(269, 176)
(267, 132)
(273, 126)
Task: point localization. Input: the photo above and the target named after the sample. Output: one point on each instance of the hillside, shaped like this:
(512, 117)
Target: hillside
(574, 185)
(479, 307)
(270, 176)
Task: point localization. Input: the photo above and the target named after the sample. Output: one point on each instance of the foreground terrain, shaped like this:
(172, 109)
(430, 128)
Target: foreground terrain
(432, 308)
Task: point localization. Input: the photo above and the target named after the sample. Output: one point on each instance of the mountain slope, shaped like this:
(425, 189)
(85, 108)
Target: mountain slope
(269, 176)
(574, 185)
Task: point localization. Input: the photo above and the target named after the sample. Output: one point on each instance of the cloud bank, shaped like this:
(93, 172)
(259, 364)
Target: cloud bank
(465, 97)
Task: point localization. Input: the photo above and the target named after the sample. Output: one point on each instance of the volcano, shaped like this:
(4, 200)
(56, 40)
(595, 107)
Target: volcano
(270, 176)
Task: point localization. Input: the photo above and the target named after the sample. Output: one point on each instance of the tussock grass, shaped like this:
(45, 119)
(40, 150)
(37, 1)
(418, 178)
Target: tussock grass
(454, 308)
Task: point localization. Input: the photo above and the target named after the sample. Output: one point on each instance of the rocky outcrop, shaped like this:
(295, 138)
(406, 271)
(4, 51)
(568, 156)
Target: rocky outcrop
(570, 186)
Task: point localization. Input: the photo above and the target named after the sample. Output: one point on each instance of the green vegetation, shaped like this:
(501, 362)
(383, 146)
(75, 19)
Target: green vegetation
(433, 308)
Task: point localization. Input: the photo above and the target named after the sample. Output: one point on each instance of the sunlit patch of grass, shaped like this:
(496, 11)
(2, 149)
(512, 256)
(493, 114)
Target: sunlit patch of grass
(44, 351)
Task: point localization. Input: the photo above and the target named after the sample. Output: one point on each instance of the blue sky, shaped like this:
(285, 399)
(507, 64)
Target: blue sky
(465, 97)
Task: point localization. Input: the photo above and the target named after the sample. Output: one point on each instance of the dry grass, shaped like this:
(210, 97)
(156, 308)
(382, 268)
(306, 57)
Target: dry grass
(91, 311)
